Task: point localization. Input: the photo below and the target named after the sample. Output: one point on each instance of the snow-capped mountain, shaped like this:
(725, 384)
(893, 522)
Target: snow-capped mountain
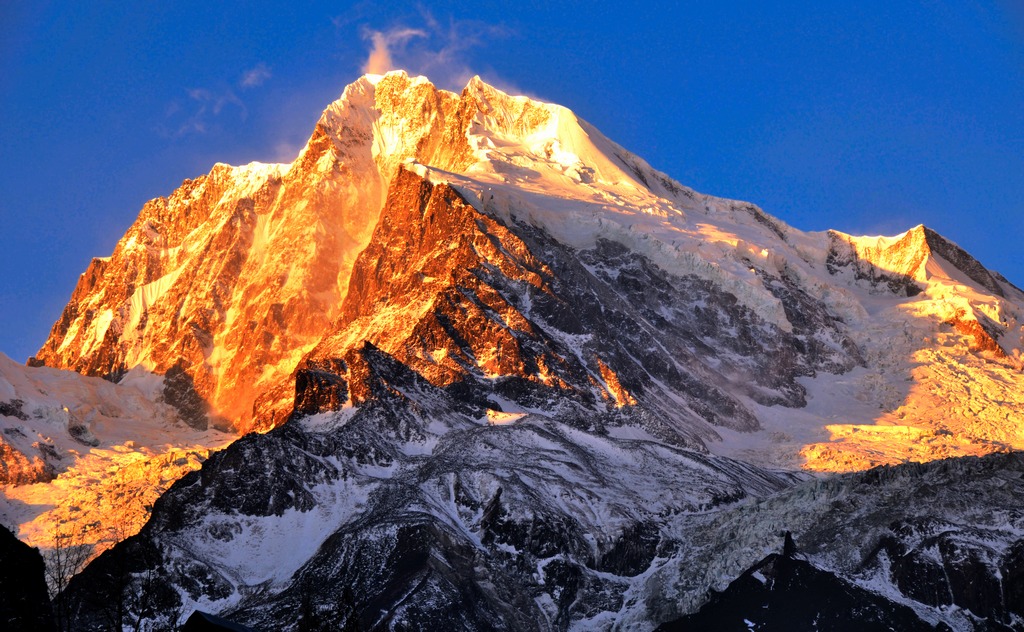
(239, 274)
(514, 377)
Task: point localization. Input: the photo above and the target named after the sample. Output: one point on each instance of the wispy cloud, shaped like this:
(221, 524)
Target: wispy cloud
(215, 103)
(255, 76)
(441, 50)
(286, 151)
(199, 111)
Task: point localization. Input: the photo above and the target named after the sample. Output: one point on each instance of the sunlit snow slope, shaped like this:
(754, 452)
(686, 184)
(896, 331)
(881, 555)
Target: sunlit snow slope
(939, 335)
(85, 459)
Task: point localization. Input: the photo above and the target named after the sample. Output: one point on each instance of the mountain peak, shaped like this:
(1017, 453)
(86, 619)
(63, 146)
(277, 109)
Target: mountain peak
(476, 83)
(909, 260)
(238, 274)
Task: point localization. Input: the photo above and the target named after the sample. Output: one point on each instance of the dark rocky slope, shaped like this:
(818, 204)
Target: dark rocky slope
(24, 601)
(782, 593)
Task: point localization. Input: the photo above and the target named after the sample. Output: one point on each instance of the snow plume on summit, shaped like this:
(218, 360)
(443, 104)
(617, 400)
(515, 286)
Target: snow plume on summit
(379, 61)
(427, 45)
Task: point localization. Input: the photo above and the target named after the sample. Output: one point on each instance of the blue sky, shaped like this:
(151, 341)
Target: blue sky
(868, 117)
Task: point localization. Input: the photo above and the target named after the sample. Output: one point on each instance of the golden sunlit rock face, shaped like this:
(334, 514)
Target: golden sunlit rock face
(425, 304)
(238, 273)
(422, 292)
(19, 469)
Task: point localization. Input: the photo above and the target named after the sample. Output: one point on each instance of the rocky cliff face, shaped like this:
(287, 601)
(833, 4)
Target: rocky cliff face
(942, 538)
(518, 323)
(237, 274)
(409, 510)
(785, 593)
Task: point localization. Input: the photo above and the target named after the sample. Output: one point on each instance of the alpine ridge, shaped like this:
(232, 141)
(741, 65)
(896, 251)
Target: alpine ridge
(510, 376)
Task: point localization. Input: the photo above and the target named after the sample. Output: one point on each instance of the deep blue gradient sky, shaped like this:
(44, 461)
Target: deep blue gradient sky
(869, 117)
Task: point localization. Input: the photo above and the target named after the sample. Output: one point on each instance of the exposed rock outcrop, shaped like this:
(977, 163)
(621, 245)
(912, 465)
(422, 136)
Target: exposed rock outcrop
(238, 273)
